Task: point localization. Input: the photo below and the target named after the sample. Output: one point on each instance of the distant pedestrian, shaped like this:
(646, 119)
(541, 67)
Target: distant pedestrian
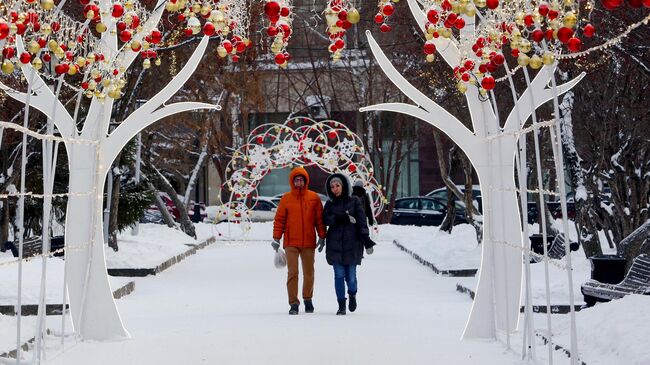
(347, 235)
(299, 219)
(360, 192)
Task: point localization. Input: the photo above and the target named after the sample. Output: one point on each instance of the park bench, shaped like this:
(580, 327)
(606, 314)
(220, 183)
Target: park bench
(637, 281)
(33, 246)
(556, 250)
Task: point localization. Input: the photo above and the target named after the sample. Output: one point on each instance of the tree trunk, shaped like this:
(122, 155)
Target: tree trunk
(166, 217)
(88, 287)
(114, 211)
(447, 224)
(186, 224)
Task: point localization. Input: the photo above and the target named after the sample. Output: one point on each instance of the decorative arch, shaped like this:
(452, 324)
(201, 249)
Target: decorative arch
(300, 141)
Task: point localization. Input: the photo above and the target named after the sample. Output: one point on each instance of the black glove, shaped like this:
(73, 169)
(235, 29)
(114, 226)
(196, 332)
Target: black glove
(321, 244)
(367, 242)
(341, 218)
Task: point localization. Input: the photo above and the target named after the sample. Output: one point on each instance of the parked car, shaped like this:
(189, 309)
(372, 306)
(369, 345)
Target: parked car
(441, 194)
(424, 211)
(263, 209)
(171, 207)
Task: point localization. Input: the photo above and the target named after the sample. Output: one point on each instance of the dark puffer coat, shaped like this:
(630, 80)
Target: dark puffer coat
(345, 241)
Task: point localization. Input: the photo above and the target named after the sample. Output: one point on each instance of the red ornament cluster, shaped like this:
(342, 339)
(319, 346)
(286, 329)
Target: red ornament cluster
(386, 9)
(279, 16)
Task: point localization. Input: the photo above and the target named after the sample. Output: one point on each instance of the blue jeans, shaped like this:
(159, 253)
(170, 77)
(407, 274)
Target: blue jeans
(345, 274)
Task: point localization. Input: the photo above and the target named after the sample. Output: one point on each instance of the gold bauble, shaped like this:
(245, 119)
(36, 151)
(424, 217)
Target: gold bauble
(90, 58)
(90, 15)
(462, 87)
(455, 8)
(548, 58)
(157, 62)
(196, 7)
(47, 4)
(101, 27)
(72, 70)
(480, 3)
(37, 63)
(430, 58)
(525, 46)
(106, 83)
(470, 10)
(46, 29)
(171, 7)
(554, 24)
(482, 91)
(221, 51)
(146, 64)
(568, 2)
(535, 62)
(92, 85)
(114, 94)
(135, 45)
(128, 5)
(523, 60)
(95, 73)
(570, 20)
(519, 19)
(88, 94)
(428, 36)
(353, 16)
(7, 67)
(33, 47)
(146, 45)
(52, 45)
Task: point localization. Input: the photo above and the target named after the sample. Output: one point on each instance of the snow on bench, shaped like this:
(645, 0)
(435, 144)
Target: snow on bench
(637, 281)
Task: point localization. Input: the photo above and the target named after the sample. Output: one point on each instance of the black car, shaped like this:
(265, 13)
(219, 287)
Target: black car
(424, 211)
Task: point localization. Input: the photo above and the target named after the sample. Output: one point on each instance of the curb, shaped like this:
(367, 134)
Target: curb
(557, 347)
(55, 309)
(452, 273)
(555, 309)
(141, 272)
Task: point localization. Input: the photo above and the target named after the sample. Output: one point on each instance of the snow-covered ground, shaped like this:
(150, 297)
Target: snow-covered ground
(227, 304)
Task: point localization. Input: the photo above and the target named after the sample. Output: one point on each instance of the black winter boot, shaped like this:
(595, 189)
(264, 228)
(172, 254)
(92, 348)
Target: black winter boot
(341, 311)
(294, 309)
(309, 306)
(353, 303)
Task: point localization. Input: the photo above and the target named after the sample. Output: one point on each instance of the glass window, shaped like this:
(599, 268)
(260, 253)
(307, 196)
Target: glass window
(430, 204)
(406, 204)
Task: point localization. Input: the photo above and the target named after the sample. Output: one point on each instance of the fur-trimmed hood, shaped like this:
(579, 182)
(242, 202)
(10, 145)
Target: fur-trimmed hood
(347, 190)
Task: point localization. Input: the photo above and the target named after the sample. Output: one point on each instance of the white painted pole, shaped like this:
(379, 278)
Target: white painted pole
(21, 221)
(540, 188)
(138, 161)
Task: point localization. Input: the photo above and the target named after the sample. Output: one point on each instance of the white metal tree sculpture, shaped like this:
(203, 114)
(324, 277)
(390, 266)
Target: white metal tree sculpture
(91, 152)
(491, 148)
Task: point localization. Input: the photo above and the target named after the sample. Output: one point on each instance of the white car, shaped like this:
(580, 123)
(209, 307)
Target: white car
(263, 209)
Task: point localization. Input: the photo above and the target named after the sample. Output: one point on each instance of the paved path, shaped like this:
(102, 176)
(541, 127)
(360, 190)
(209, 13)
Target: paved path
(227, 305)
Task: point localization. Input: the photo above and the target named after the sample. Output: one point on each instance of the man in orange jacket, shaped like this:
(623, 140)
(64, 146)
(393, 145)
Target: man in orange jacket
(299, 218)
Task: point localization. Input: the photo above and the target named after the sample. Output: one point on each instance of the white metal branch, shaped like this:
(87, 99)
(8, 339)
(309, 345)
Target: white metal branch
(447, 49)
(42, 98)
(447, 123)
(540, 95)
(132, 126)
(172, 87)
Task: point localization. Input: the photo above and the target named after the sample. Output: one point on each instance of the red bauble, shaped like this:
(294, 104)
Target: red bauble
(118, 10)
(240, 46)
(432, 16)
(121, 26)
(25, 58)
(588, 30)
(574, 44)
(491, 67)
(135, 21)
(469, 64)
(429, 48)
(635, 4)
(529, 21)
(537, 35)
(465, 77)
(552, 14)
(61, 68)
(379, 18)
(339, 43)
(343, 15)
(8, 52)
(47, 57)
(272, 8)
(388, 9)
(488, 83)
(331, 134)
(156, 36)
(125, 35)
(272, 31)
(4, 30)
(235, 58)
(543, 9)
(492, 4)
(385, 28)
(498, 59)
(280, 59)
(564, 34)
(260, 140)
(285, 11)
(209, 29)
(227, 45)
(352, 168)
(56, 26)
(459, 23)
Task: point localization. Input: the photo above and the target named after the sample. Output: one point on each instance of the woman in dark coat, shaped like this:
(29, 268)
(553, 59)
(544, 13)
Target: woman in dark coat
(347, 235)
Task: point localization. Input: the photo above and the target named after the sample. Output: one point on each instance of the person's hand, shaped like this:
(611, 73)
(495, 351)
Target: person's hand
(351, 218)
(369, 250)
(275, 244)
(321, 244)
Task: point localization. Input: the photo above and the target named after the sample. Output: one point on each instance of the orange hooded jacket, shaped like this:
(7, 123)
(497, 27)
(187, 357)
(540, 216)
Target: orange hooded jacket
(299, 215)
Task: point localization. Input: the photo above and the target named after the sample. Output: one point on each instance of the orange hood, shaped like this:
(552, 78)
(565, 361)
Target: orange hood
(296, 172)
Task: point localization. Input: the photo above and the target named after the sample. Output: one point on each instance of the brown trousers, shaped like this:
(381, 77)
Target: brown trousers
(307, 258)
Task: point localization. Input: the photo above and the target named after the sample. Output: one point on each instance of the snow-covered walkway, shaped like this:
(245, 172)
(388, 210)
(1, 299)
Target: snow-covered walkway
(228, 305)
